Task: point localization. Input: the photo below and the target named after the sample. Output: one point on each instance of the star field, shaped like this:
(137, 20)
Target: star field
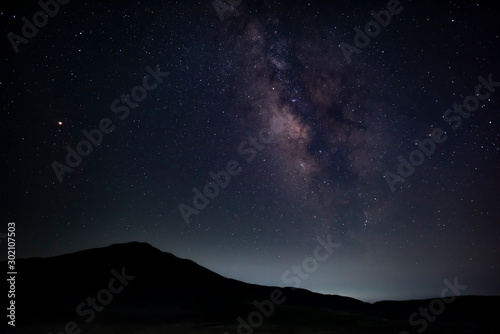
(263, 92)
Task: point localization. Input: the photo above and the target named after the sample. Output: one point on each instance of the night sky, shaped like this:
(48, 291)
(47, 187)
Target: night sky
(388, 145)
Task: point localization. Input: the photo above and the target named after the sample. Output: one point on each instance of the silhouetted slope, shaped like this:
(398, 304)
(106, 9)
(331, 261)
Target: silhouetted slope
(168, 289)
(161, 282)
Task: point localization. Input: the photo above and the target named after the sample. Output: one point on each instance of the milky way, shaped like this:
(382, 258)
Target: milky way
(331, 136)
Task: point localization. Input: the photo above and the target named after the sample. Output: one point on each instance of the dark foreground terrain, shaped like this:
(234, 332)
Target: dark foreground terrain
(135, 288)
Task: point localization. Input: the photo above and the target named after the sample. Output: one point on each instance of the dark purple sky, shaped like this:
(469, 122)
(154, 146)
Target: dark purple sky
(314, 128)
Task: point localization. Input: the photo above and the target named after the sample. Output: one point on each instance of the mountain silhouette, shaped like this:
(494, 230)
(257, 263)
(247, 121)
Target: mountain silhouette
(139, 285)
